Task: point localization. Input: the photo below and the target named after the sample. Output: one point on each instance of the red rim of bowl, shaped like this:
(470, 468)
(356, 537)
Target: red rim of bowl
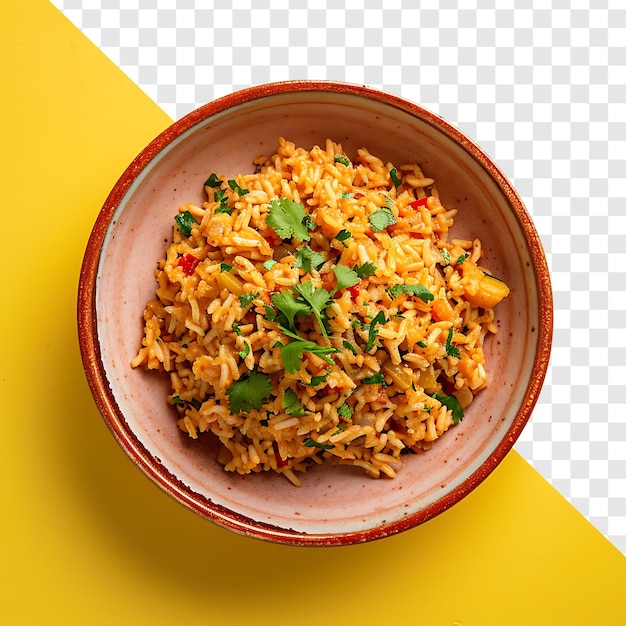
(105, 400)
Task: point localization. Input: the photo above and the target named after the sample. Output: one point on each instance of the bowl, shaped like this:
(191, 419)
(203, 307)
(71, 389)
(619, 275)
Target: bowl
(334, 506)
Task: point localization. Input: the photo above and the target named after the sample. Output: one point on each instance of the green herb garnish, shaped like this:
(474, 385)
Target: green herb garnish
(311, 443)
(382, 218)
(246, 299)
(373, 331)
(453, 404)
(375, 379)
(397, 180)
(343, 235)
(185, 222)
(450, 349)
(249, 392)
(291, 404)
(420, 291)
(236, 188)
(289, 219)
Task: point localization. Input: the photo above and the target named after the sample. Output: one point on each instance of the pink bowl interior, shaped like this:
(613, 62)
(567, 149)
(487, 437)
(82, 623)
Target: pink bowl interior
(334, 505)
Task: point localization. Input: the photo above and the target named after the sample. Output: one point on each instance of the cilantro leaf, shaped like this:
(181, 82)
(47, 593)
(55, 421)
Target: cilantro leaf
(373, 331)
(345, 410)
(306, 258)
(343, 159)
(446, 256)
(288, 219)
(345, 277)
(342, 236)
(311, 443)
(246, 350)
(249, 392)
(224, 267)
(348, 346)
(236, 188)
(269, 264)
(245, 299)
(382, 218)
(365, 270)
(423, 293)
(292, 353)
(318, 299)
(290, 308)
(291, 404)
(318, 380)
(453, 404)
(461, 259)
(450, 349)
(213, 181)
(397, 180)
(375, 379)
(185, 222)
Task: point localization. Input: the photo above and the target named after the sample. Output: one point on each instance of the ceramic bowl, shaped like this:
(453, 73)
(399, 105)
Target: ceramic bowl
(335, 506)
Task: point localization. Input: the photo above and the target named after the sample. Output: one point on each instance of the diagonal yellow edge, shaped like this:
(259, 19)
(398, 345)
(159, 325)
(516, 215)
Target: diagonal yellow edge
(86, 539)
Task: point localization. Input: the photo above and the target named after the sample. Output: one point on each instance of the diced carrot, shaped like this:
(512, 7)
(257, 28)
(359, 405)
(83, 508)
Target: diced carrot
(441, 310)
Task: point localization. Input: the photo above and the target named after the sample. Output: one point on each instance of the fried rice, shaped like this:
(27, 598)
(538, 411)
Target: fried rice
(317, 309)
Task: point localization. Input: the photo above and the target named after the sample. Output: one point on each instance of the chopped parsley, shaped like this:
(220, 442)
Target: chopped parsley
(343, 159)
(346, 411)
(291, 404)
(306, 258)
(348, 346)
(236, 188)
(289, 219)
(382, 218)
(213, 181)
(375, 379)
(343, 235)
(462, 258)
(365, 270)
(397, 180)
(246, 350)
(185, 222)
(249, 392)
(311, 443)
(373, 331)
(450, 349)
(246, 299)
(423, 293)
(318, 380)
(453, 404)
(422, 344)
(224, 267)
(177, 401)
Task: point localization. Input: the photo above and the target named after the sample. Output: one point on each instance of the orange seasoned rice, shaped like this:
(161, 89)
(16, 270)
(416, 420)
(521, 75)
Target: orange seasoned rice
(317, 309)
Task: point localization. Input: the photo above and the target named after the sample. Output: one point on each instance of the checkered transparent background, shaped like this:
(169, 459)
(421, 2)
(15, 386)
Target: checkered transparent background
(541, 89)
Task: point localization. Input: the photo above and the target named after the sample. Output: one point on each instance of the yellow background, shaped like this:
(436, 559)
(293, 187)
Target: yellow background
(87, 539)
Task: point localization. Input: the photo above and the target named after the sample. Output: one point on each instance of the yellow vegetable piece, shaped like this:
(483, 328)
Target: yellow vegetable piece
(427, 380)
(229, 281)
(398, 374)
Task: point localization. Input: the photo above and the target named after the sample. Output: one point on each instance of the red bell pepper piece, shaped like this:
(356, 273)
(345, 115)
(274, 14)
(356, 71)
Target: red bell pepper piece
(188, 264)
(418, 203)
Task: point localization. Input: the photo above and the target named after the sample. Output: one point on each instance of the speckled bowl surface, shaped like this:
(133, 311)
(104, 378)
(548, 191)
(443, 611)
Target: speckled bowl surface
(335, 506)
